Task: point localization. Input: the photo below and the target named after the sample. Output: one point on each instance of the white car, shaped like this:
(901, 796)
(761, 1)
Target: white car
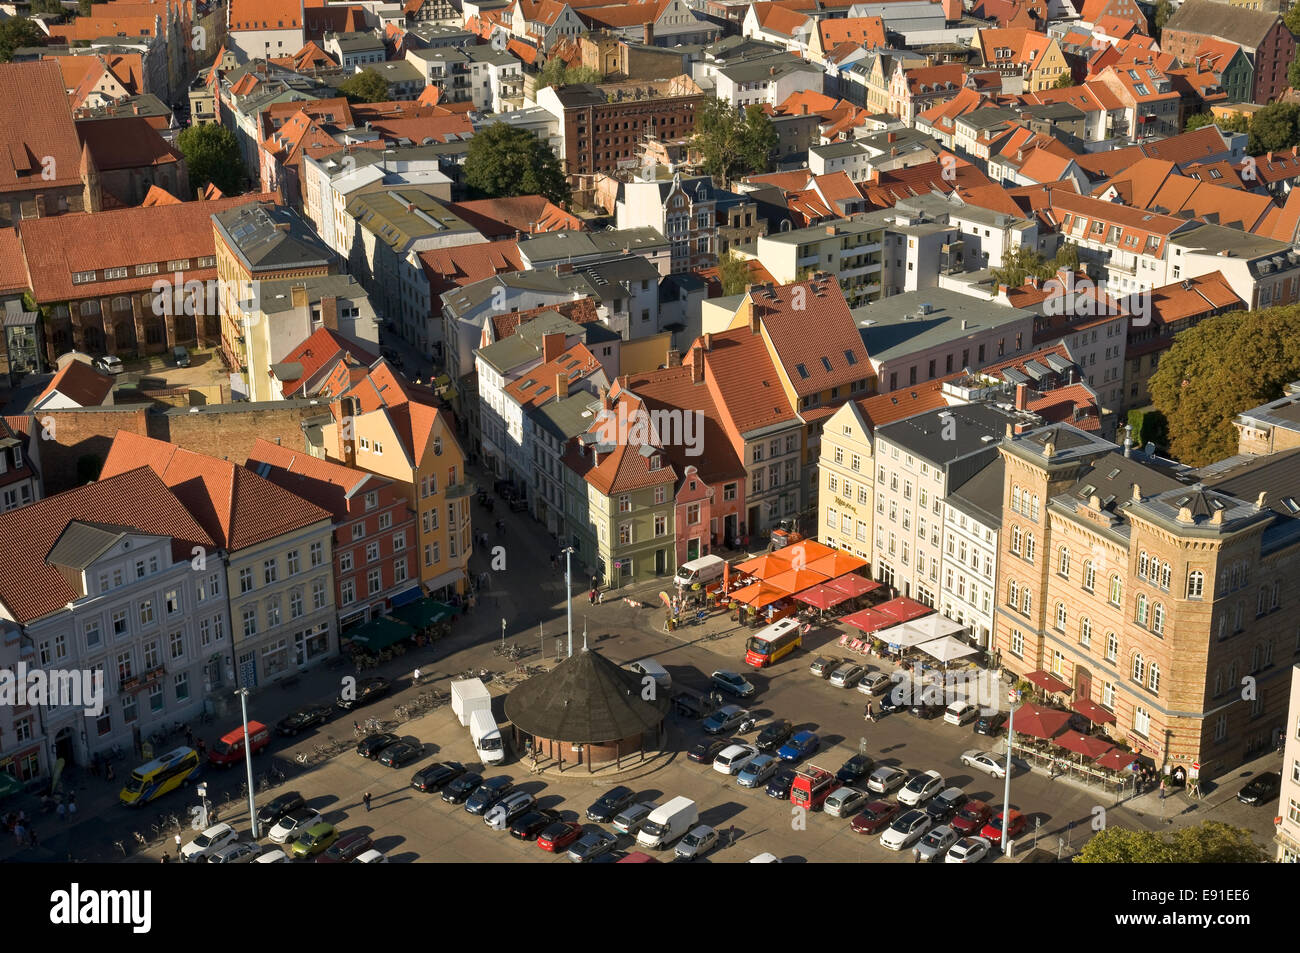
(208, 843)
(240, 852)
(884, 779)
(968, 850)
(630, 821)
(935, 844)
(767, 857)
(508, 810)
(109, 364)
(294, 824)
(845, 802)
(905, 831)
(697, 842)
(847, 675)
(734, 757)
(961, 713)
(371, 856)
(984, 761)
(920, 788)
(276, 856)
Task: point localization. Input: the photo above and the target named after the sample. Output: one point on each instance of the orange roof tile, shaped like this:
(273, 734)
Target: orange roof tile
(81, 383)
(13, 270)
(868, 32)
(672, 388)
(835, 356)
(460, 265)
(323, 482)
(538, 385)
(36, 128)
(896, 405)
(744, 381)
(321, 348)
(509, 215)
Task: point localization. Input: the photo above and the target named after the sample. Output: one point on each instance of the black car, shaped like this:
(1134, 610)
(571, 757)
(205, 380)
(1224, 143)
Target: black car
(308, 716)
(458, 790)
(1261, 789)
(888, 703)
(690, 706)
(855, 769)
(436, 775)
(394, 756)
(774, 734)
(268, 815)
(611, 804)
(926, 711)
(990, 724)
(943, 807)
(707, 749)
(779, 786)
(488, 793)
(367, 690)
(371, 745)
(533, 823)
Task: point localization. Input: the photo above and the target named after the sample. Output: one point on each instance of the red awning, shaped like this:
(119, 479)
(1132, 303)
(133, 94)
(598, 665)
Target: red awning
(1093, 712)
(904, 609)
(1048, 682)
(869, 620)
(1038, 721)
(853, 584)
(1117, 759)
(1085, 745)
(822, 597)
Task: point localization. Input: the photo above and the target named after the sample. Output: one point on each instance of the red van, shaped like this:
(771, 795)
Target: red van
(230, 749)
(811, 787)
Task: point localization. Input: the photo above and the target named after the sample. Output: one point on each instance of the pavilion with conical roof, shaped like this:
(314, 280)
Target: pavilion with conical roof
(589, 711)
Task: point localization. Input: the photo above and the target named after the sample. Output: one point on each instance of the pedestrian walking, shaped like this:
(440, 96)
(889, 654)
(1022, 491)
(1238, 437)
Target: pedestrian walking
(731, 834)
(108, 773)
(178, 846)
(366, 799)
(165, 859)
(63, 811)
(20, 833)
(416, 677)
(203, 749)
(189, 737)
(594, 582)
(591, 597)
(212, 816)
(871, 712)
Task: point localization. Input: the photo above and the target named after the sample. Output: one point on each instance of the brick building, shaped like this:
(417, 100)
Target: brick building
(1261, 33)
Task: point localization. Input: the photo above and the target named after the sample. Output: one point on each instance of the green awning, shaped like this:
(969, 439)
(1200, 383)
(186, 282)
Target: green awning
(449, 608)
(9, 784)
(423, 612)
(380, 633)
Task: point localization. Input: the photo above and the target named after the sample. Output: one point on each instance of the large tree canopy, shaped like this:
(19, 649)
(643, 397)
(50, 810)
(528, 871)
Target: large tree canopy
(555, 73)
(733, 273)
(1219, 368)
(1275, 127)
(504, 160)
(17, 33)
(1022, 262)
(732, 144)
(1211, 842)
(365, 87)
(211, 155)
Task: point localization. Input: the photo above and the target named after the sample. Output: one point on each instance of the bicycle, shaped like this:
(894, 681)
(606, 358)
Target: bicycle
(121, 847)
(302, 757)
(140, 839)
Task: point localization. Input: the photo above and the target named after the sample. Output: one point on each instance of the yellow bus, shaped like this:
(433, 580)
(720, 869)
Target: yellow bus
(774, 642)
(164, 773)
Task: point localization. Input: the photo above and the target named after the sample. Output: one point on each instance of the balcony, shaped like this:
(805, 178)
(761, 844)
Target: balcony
(460, 490)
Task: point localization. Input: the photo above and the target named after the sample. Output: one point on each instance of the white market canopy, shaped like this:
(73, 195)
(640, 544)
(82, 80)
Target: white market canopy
(947, 648)
(935, 625)
(904, 636)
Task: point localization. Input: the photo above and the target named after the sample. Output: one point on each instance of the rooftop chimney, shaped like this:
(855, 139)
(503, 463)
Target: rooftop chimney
(697, 364)
(674, 358)
(562, 385)
(329, 312)
(1128, 440)
(564, 268)
(298, 296)
(1022, 397)
(552, 346)
(891, 137)
(708, 341)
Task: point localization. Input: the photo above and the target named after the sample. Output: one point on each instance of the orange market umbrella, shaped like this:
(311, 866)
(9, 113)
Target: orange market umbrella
(758, 595)
(764, 567)
(796, 580)
(837, 563)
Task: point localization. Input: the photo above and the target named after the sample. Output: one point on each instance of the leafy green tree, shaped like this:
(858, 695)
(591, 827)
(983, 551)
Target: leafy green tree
(734, 273)
(733, 144)
(1164, 10)
(1064, 81)
(17, 33)
(365, 87)
(211, 155)
(504, 160)
(555, 73)
(1275, 127)
(1292, 19)
(1199, 392)
(1198, 121)
(1022, 262)
(1211, 842)
(1293, 73)
(47, 6)
(1149, 426)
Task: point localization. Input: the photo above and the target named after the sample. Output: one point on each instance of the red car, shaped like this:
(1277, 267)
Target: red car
(1015, 823)
(558, 836)
(874, 817)
(971, 818)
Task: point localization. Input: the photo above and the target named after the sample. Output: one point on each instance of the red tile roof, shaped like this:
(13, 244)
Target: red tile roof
(13, 274)
(895, 405)
(624, 469)
(80, 382)
(582, 311)
(812, 362)
(867, 32)
(126, 142)
(671, 388)
(322, 482)
(460, 265)
(504, 217)
(265, 14)
(31, 588)
(537, 386)
(743, 380)
(36, 128)
(322, 348)
(235, 506)
(158, 196)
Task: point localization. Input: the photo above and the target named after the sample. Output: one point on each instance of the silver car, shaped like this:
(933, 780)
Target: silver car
(756, 773)
(935, 844)
(508, 810)
(874, 683)
(885, 779)
(630, 821)
(591, 844)
(823, 665)
(698, 842)
(240, 852)
(845, 802)
(846, 675)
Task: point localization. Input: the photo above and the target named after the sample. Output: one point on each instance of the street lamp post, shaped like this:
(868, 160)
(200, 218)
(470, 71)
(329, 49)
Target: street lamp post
(568, 592)
(248, 761)
(1006, 787)
(202, 790)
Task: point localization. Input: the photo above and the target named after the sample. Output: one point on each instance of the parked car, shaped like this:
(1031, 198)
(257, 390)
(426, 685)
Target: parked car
(314, 840)
(1261, 789)
(557, 837)
(906, 830)
(733, 758)
(983, 761)
(728, 718)
(292, 824)
(1011, 825)
(961, 713)
(109, 364)
(779, 786)
(347, 848)
(774, 734)
(990, 724)
(885, 779)
(925, 711)
(629, 821)
(180, 356)
(756, 773)
(591, 845)
(767, 857)
(935, 844)
(368, 690)
(920, 788)
(237, 852)
(299, 720)
(459, 789)
(608, 805)
(855, 770)
(873, 818)
(732, 683)
(372, 856)
(269, 814)
(971, 817)
(371, 745)
(394, 756)
(706, 749)
(487, 794)
(874, 683)
(438, 775)
(847, 675)
(894, 700)
(968, 850)
(509, 809)
(208, 843)
(943, 807)
(845, 802)
(689, 705)
(273, 856)
(531, 823)
(697, 842)
(799, 747)
(823, 665)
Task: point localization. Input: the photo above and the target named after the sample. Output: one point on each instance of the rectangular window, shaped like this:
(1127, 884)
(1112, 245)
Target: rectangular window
(317, 554)
(292, 563)
(318, 594)
(245, 580)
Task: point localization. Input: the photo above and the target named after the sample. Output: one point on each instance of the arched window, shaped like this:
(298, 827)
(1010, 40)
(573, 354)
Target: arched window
(1060, 616)
(1017, 539)
(1029, 547)
(1218, 683)
(1153, 678)
(1166, 573)
(1085, 632)
(1015, 500)
(1195, 584)
(1112, 647)
(1089, 575)
(1116, 591)
(1063, 561)
(1158, 619)
(1141, 609)
(1026, 601)
(1143, 564)
(1033, 508)
(1139, 667)
(1013, 593)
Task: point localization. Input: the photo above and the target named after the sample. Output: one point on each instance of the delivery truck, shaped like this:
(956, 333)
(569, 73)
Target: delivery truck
(468, 696)
(487, 736)
(668, 823)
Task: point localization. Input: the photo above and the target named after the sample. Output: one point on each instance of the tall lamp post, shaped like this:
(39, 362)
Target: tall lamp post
(202, 790)
(568, 592)
(248, 761)
(1012, 696)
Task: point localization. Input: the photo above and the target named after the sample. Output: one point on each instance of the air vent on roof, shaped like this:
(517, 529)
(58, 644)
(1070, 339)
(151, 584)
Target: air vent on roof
(1290, 503)
(1113, 473)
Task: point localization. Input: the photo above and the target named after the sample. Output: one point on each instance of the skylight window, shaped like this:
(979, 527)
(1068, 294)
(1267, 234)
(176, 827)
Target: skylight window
(803, 371)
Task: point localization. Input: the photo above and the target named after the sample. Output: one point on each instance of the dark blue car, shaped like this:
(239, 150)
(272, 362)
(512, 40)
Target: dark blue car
(799, 747)
(779, 786)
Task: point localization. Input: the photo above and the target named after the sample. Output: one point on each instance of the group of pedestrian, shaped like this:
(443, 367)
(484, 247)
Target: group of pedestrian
(596, 596)
(67, 809)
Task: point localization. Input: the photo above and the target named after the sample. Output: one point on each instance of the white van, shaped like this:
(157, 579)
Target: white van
(371, 857)
(648, 666)
(666, 824)
(705, 570)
